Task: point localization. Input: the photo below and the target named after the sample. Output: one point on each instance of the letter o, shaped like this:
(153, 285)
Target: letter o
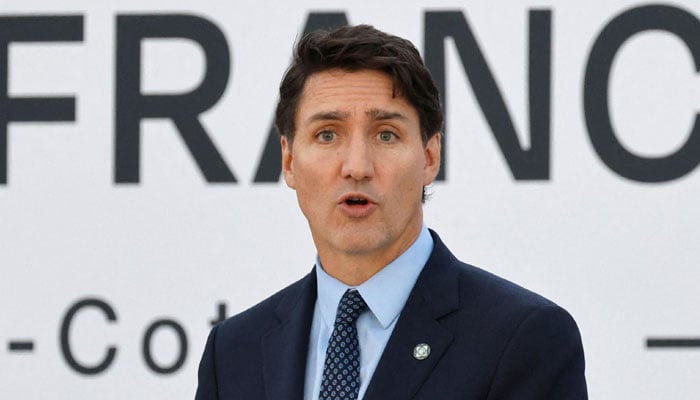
(146, 346)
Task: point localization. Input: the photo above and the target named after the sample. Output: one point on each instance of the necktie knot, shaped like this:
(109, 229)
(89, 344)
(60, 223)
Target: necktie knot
(350, 307)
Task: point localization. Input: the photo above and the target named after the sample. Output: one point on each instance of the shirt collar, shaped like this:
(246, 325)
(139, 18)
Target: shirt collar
(387, 291)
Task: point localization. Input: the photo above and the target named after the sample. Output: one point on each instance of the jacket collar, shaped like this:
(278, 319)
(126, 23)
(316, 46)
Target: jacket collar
(285, 347)
(399, 374)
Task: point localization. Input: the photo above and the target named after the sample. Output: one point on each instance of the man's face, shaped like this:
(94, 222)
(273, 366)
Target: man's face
(358, 165)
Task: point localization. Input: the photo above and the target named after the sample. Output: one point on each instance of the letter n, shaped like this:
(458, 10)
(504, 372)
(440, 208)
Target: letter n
(525, 164)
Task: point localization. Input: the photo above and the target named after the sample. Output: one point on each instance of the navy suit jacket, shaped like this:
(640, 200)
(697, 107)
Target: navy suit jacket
(489, 339)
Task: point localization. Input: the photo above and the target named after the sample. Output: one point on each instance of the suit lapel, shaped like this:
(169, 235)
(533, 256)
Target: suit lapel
(399, 375)
(285, 347)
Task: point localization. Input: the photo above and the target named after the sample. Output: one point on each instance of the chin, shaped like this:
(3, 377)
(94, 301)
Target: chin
(359, 243)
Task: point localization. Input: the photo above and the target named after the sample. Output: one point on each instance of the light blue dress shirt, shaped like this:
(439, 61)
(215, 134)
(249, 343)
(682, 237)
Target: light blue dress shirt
(385, 294)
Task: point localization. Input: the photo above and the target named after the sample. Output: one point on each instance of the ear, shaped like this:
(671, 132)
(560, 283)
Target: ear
(432, 159)
(287, 164)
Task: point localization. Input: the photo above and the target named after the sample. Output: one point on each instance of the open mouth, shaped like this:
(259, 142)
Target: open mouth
(355, 201)
(357, 205)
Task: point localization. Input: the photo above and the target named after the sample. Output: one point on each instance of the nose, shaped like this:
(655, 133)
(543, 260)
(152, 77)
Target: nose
(358, 162)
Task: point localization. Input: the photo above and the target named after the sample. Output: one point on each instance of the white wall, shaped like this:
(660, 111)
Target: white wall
(621, 255)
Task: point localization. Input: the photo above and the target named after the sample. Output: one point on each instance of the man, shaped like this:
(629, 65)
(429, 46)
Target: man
(388, 312)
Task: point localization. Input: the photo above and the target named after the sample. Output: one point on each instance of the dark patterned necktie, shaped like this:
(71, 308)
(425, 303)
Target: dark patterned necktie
(341, 371)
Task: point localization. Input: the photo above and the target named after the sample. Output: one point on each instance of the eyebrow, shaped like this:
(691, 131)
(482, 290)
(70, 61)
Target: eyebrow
(328, 116)
(374, 113)
(381, 115)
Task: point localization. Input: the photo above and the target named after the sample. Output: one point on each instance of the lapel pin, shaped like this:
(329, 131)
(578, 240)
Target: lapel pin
(421, 351)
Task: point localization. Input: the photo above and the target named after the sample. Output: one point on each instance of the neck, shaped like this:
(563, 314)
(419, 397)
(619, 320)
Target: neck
(352, 272)
(353, 269)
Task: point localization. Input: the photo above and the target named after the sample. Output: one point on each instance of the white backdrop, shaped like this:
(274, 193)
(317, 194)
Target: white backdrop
(621, 255)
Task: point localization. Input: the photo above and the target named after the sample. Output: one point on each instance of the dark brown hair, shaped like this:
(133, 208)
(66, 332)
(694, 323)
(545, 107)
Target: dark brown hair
(354, 48)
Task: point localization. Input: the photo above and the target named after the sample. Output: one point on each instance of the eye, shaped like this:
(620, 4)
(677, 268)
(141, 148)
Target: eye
(386, 136)
(326, 136)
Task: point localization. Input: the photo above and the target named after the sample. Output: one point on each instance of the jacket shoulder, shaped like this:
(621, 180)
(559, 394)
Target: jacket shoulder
(261, 317)
(478, 287)
(501, 333)
(232, 362)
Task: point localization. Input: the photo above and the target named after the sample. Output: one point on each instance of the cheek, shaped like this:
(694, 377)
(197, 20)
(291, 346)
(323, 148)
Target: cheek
(407, 188)
(305, 173)
(309, 181)
(414, 174)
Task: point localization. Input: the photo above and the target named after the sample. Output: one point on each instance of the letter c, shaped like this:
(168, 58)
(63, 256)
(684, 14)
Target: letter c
(65, 344)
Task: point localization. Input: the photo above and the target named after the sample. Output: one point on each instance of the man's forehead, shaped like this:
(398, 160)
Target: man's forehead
(338, 94)
(362, 82)
(376, 114)
(335, 74)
